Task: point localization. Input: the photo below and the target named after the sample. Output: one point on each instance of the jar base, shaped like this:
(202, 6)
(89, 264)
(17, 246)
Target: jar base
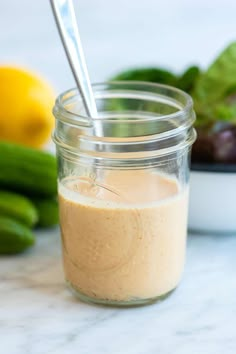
(129, 303)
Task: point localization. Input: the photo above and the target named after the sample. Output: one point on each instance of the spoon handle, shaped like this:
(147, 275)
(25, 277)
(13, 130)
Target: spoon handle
(64, 15)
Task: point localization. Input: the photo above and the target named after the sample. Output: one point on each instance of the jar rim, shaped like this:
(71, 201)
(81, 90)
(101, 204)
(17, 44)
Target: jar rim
(73, 116)
(143, 132)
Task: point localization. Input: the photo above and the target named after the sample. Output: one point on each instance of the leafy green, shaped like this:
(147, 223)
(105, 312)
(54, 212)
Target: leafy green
(162, 76)
(220, 76)
(215, 86)
(213, 90)
(188, 79)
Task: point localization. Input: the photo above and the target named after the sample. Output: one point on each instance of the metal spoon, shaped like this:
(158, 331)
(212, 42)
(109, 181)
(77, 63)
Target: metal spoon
(64, 14)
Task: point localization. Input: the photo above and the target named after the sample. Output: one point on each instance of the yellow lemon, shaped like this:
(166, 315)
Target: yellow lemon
(26, 103)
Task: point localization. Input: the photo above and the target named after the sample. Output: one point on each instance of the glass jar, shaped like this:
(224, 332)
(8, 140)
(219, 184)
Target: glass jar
(123, 191)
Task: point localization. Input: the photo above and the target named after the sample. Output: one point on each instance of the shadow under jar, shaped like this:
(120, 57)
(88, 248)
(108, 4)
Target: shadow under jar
(123, 191)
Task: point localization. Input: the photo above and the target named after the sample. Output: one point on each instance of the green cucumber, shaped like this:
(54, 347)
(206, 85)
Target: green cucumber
(26, 170)
(48, 212)
(18, 207)
(14, 237)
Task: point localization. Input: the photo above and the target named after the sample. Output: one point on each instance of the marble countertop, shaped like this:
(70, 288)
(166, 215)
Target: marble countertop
(38, 315)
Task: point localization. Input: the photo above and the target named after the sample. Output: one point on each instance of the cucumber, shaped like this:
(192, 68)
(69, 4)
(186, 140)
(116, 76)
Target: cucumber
(26, 170)
(14, 237)
(47, 210)
(18, 207)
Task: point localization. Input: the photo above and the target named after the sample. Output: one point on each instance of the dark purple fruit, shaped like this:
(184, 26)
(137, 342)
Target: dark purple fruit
(225, 145)
(217, 145)
(203, 148)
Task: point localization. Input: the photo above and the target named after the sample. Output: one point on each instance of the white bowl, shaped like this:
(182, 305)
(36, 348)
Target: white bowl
(212, 205)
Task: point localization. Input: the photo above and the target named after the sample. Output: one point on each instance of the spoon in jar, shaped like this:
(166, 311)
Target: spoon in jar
(64, 14)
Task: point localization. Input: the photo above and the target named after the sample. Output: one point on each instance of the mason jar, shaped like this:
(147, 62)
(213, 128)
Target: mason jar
(123, 184)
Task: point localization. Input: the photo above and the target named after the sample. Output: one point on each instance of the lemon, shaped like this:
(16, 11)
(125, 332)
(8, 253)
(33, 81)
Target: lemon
(26, 103)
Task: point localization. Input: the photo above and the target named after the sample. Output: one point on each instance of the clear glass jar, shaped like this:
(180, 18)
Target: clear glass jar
(123, 191)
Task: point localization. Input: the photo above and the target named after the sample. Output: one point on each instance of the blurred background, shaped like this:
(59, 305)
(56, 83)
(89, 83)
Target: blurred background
(117, 35)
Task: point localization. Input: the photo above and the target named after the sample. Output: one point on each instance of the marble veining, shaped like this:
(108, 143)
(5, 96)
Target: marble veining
(39, 315)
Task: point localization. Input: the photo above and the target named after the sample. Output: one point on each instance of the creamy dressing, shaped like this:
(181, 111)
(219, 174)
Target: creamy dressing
(123, 237)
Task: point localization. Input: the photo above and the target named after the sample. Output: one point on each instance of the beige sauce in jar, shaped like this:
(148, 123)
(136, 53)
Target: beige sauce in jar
(123, 239)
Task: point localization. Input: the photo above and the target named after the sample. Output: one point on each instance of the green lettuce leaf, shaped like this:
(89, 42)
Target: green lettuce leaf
(162, 76)
(215, 86)
(187, 80)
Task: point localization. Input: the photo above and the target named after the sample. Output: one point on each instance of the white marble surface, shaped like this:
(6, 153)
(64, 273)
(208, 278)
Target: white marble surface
(38, 315)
